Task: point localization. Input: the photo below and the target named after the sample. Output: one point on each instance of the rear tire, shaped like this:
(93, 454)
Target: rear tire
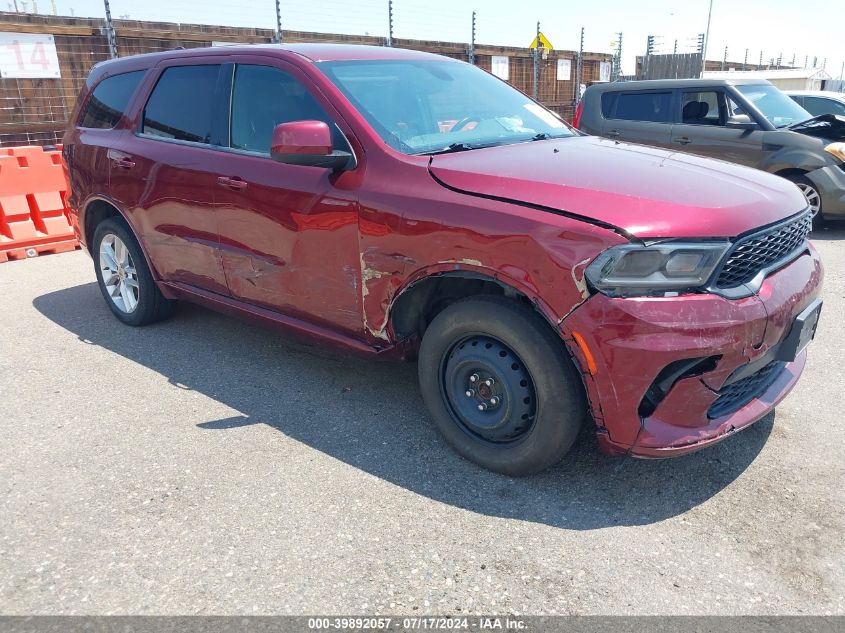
(124, 277)
(529, 415)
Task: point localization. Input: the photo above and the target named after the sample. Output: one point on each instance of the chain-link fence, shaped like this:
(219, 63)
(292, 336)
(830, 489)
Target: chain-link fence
(35, 110)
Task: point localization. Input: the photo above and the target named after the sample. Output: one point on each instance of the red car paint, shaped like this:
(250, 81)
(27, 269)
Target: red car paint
(330, 254)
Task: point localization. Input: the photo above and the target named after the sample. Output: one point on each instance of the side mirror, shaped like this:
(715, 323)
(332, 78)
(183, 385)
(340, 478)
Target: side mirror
(740, 122)
(308, 143)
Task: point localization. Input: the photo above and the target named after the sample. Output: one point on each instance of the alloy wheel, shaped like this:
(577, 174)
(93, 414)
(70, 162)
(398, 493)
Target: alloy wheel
(119, 274)
(813, 198)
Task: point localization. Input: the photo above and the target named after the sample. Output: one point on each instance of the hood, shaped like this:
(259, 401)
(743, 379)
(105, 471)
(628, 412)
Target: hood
(644, 191)
(826, 126)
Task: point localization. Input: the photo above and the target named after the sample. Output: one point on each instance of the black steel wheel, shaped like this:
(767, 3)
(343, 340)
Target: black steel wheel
(489, 390)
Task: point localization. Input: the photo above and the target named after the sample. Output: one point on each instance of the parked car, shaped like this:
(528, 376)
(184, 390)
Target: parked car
(817, 102)
(402, 204)
(745, 121)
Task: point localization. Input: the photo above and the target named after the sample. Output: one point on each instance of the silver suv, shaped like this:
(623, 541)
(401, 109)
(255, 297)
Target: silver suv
(749, 122)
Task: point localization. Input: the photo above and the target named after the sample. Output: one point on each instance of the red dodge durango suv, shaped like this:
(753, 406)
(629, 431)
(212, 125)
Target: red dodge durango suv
(403, 204)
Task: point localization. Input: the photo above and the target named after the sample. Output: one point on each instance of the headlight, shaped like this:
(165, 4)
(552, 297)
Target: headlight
(641, 270)
(837, 149)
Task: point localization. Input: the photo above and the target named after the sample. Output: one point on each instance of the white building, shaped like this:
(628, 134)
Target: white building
(785, 79)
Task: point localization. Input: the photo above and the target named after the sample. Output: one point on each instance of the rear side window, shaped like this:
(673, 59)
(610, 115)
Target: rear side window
(608, 100)
(644, 106)
(181, 104)
(109, 100)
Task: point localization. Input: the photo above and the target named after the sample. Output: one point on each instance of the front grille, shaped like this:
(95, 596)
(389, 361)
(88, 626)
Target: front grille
(761, 250)
(736, 395)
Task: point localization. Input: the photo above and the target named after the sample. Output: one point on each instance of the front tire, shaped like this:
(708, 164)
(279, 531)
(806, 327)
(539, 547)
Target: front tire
(124, 277)
(500, 385)
(813, 197)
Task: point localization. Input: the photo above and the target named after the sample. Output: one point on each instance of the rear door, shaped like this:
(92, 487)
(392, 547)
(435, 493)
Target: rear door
(701, 128)
(288, 233)
(164, 172)
(642, 116)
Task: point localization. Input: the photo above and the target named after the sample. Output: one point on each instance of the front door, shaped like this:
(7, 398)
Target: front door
(701, 129)
(288, 233)
(165, 174)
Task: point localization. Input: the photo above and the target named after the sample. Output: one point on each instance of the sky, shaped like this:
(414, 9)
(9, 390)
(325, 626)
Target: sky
(775, 27)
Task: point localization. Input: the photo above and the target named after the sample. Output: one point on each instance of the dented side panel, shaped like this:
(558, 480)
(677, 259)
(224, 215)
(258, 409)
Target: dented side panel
(411, 227)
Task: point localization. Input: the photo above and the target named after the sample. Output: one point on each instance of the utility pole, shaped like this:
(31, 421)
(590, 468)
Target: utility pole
(745, 61)
(760, 65)
(278, 22)
(472, 42)
(780, 59)
(390, 22)
(675, 58)
(617, 66)
(725, 58)
(649, 51)
(110, 38)
(806, 60)
(579, 69)
(536, 91)
(701, 48)
(706, 39)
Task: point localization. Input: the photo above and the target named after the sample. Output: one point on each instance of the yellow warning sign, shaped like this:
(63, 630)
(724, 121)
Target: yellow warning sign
(543, 42)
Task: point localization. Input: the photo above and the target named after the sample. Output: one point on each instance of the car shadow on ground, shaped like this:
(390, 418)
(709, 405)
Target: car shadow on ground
(830, 231)
(369, 414)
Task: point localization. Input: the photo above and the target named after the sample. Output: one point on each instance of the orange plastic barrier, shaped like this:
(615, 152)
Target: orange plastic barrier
(33, 212)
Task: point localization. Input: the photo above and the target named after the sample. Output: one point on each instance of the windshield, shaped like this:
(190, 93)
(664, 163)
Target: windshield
(429, 106)
(779, 109)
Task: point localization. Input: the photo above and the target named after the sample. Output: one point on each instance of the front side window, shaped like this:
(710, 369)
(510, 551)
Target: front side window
(702, 108)
(109, 100)
(779, 109)
(263, 97)
(821, 105)
(420, 107)
(181, 104)
(645, 106)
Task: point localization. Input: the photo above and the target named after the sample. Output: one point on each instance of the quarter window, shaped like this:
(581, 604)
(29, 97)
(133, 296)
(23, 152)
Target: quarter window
(644, 106)
(263, 97)
(109, 100)
(181, 105)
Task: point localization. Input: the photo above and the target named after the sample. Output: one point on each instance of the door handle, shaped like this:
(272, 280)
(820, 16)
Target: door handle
(684, 140)
(119, 159)
(614, 133)
(234, 182)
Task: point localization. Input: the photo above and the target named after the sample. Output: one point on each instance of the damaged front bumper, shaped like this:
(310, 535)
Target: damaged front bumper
(671, 375)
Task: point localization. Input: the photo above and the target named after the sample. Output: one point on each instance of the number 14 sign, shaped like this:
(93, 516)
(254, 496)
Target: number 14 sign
(23, 55)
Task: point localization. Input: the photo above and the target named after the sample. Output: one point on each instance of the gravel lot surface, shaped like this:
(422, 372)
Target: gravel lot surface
(207, 466)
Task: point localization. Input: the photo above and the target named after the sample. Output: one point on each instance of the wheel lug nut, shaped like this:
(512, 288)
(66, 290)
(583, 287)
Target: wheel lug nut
(482, 406)
(494, 401)
(473, 378)
(470, 393)
(489, 382)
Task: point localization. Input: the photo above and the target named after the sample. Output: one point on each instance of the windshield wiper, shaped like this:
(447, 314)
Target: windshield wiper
(454, 147)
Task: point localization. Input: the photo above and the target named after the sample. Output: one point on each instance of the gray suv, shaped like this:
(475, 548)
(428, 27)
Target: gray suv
(749, 122)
